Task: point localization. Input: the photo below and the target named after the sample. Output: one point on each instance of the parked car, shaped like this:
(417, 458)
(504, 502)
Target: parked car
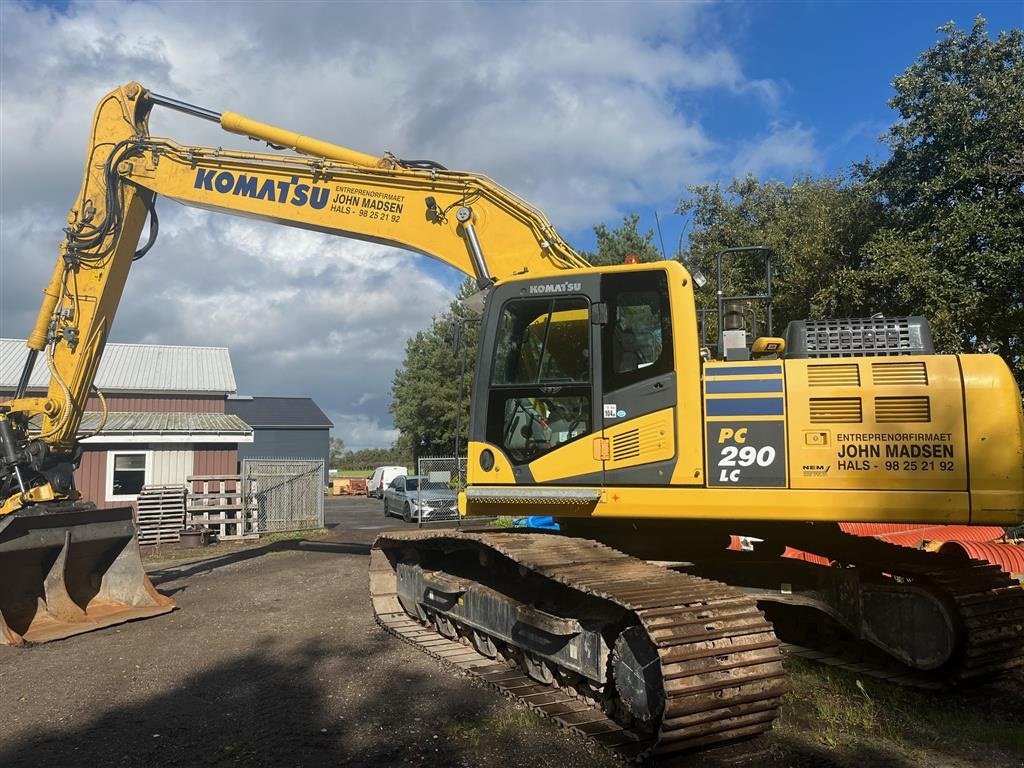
(380, 479)
(405, 497)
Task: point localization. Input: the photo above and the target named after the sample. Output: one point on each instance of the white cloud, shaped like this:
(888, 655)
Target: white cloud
(783, 151)
(573, 106)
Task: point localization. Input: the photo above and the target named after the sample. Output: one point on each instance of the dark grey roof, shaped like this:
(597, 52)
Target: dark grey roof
(280, 412)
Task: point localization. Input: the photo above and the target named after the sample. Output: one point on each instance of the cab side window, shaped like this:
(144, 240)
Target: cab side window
(637, 340)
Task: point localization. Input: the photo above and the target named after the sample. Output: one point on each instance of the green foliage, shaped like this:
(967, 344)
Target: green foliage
(815, 226)
(936, 230)
(951, 244)
(425, 390)
(614, 245)
(838, 708)
(372, 457)
(337, 450)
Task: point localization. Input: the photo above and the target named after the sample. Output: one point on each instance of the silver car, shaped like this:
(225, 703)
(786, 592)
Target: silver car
(404, 497)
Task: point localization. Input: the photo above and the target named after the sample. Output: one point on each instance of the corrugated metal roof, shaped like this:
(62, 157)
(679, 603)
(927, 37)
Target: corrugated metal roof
(135, 368)
(135, 422)
(268, 412)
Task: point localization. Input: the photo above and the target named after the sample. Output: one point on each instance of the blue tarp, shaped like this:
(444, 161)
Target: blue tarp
(536, 521)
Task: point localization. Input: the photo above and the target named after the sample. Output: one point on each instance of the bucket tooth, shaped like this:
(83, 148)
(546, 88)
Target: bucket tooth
(7, 635)
(58, 603)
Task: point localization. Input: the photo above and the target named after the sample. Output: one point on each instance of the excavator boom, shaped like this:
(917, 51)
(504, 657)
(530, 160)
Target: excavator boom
(66, 567)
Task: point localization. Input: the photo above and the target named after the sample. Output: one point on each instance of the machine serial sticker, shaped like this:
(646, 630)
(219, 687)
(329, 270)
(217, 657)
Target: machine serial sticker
(611, 411)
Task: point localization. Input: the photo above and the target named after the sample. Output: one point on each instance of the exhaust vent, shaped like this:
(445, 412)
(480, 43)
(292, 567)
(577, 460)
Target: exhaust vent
(899, 374)
(826, 410)
(889, 410)
(844, 375)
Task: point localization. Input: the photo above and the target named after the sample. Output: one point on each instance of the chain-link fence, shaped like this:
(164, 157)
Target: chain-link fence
(284, 494)
(440, 478)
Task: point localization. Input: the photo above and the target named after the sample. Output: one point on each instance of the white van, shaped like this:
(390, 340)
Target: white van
(381, 479)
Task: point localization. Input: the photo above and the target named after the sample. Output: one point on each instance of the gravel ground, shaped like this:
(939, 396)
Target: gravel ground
(273, 658)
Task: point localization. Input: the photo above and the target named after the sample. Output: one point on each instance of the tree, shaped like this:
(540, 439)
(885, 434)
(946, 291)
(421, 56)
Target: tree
(368, 458)
(816, 227)
(952, 244)
(425, 391)
(613, 246)
(337, 448)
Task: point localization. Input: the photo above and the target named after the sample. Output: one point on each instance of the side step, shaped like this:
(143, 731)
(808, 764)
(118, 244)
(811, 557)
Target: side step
(69, 569)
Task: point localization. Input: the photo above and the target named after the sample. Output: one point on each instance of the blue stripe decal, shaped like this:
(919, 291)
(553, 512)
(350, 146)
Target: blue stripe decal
(726, 386)
(742, 370)
(745, 406)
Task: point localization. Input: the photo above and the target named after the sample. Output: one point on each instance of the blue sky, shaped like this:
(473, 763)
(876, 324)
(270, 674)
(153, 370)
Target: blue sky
(588, 110)
(835, 63)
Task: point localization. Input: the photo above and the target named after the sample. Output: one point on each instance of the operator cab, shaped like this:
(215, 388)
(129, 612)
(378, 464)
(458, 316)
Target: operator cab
(567, 359)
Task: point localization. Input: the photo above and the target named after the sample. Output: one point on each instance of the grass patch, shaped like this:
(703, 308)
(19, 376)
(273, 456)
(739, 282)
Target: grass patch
(490, 729)
(270, 538)
(504, 521)
(836, 707)
(173, 553)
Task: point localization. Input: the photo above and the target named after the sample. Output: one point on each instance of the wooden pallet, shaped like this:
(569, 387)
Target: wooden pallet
(161, 514)
(217, 502)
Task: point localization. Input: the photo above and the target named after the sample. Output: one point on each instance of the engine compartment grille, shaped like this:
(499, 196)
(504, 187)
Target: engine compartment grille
(854, 337)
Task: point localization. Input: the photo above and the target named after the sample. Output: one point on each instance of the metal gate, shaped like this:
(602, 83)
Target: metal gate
(437, 492)
(284, 494)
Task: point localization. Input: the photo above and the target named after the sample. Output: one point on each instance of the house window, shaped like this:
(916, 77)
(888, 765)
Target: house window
(127, 472)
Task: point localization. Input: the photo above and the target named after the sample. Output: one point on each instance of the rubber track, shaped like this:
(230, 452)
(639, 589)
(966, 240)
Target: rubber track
(987, 603)
(721, 665)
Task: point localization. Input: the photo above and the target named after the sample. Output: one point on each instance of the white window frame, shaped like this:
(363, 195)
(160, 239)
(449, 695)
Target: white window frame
(110, 496)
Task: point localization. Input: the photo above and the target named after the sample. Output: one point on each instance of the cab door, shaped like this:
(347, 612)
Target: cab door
(543, 382)
(638, 379)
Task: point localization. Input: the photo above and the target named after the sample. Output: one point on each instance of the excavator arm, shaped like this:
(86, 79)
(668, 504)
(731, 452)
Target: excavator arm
(462, 219)
(67, 567)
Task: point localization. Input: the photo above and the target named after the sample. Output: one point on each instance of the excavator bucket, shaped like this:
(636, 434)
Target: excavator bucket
(70, 570)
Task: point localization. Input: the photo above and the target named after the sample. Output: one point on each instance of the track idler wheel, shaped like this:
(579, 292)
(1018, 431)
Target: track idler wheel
(638, 676)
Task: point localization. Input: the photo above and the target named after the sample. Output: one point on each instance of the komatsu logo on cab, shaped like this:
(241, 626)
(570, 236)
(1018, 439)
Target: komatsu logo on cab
(276, 191)
(556, 288)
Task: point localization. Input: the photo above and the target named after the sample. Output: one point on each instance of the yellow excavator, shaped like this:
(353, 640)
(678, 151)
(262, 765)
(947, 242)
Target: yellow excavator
(600, 401)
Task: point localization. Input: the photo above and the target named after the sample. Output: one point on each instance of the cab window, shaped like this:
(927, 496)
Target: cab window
(637, 340)
(543, 342)
(540, 386)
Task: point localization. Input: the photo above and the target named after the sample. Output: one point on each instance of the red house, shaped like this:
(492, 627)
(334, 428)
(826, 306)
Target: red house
(165, 418)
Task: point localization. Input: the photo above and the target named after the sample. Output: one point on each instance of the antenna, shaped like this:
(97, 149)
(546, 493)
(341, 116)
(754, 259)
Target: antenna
(660, 238)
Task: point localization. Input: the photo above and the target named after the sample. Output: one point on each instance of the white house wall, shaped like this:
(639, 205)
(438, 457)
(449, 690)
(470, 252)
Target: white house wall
(170, 467)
